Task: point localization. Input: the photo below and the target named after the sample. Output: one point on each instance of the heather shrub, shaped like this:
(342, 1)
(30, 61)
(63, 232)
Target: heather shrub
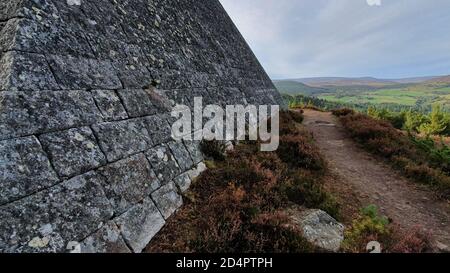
(419, 159)
(303, 189)
(425, 174)
(297, 116)
(289, 122)
(342, 112)
(258, 238)
(411, 241)
(299, 151)
(371, 226)
(364, 128)
(237, 205)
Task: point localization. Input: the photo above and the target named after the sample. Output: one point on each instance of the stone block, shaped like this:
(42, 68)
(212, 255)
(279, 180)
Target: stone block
(45, 35)
(49, 220)
(84, 73)
(20, 71)
(159, 128)
(120, 139)
(140, 224)
(137, 102)
(134, 75)
(181, 155)
(109, 105)
(128, 182)
(23, 113)
(183, 182)
(24, 169)
(319, 228)
(29, 9)
(197, 171)
(167, 199)
(163, 163)
(74, 151)
(107, 240)
(194, 150)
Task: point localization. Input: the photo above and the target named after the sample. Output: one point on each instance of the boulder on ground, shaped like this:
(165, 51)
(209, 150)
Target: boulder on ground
(319, 228)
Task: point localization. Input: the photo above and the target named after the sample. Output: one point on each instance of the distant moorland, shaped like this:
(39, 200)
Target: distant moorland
(418, 93)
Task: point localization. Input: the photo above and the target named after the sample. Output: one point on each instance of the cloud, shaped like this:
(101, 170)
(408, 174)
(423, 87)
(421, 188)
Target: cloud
(374, 2)
(347, 37)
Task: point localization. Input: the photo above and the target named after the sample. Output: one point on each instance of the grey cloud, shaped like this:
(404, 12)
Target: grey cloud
(347, 37)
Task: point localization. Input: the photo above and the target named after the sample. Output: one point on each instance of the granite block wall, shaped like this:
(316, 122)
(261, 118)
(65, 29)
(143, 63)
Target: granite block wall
(87, 162)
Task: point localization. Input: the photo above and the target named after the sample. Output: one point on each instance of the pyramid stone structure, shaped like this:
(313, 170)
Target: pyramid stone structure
(87, 162)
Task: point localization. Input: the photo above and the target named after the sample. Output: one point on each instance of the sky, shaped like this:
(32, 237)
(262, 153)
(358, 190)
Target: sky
(346, 38)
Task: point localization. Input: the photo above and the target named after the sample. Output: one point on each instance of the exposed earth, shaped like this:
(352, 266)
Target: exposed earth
(371, 181)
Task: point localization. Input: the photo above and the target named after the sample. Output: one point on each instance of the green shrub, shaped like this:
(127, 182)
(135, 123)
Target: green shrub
(213, 149)
(371, 226)
(437, 124)
(413, 120)
(397, 119)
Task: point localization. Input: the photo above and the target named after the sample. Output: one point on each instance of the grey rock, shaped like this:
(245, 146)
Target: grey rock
(123, 138)
(25, 113)
(163, 163)
(134, 75)
(319, 228)
(194, 150)
(25, 72)
(45, 35)
(167, 199)
(18, 8)
(171, 80)
(49, 220)
(140, 224)
(195, 172)
(24, 169)
(74, 151)
(84, 73)
(183, 182)
(9, 9)
(7, 34)
(138, 102)
(442, 248)
(110, 105)
(107, 240)
(159, 128)
(181, 155)
(128, 182)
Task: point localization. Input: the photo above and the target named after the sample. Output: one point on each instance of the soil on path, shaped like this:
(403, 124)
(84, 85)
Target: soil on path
(372, 181)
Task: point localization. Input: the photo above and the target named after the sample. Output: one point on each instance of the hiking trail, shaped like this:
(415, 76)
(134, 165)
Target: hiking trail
(374, 182)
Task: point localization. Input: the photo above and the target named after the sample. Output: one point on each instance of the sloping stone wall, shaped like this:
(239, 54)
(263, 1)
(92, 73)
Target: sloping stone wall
(86, 88)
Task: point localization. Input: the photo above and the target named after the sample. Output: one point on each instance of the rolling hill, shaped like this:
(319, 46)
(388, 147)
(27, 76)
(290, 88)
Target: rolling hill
(338, 81)
(420, 92)
(292, 87)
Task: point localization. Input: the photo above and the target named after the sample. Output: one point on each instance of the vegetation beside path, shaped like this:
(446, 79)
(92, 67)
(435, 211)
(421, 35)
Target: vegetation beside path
(239, 204)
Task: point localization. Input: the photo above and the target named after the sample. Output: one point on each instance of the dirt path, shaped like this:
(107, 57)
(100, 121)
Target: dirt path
(374, 182)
